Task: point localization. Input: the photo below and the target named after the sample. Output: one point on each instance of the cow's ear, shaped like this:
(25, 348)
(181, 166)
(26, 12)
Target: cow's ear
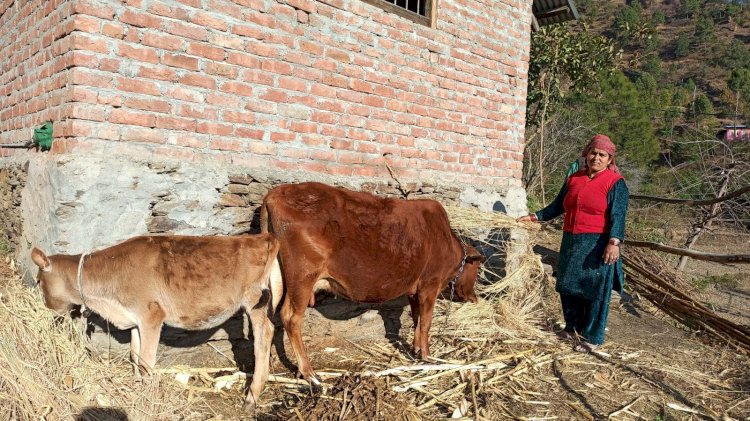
(474, 256)
(41, 260)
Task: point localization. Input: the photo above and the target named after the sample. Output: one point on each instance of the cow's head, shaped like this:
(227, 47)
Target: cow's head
(468, 278)
(54, 283)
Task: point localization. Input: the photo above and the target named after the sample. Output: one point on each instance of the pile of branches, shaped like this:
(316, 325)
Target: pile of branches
(664, 287)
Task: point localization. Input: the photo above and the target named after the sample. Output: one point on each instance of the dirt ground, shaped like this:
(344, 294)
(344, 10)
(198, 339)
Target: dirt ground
(649, 368)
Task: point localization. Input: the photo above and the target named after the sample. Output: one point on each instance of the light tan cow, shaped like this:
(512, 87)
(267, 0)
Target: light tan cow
(185, 282)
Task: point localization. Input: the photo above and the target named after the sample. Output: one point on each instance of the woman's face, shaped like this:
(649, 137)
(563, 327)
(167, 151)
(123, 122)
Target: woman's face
(597, 160)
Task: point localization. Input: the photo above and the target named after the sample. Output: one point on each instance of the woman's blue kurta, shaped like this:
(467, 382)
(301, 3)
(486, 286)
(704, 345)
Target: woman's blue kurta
(581, 269)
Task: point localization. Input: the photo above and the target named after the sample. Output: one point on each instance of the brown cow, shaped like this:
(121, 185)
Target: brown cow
(365, 249)
(186, 282)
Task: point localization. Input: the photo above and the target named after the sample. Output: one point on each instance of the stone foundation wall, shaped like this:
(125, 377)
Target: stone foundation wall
(79, 203)
(12, 182)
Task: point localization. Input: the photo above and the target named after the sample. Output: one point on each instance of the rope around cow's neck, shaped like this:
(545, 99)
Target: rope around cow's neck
(85, 310)
(453, 285)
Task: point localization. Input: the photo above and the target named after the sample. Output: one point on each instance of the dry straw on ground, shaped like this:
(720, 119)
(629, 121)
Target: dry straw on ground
(47, 373)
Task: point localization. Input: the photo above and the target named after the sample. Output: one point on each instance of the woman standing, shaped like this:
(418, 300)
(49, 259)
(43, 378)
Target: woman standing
(594, 200)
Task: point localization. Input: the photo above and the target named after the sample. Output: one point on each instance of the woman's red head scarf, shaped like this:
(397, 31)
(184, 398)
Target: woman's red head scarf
(603, 142)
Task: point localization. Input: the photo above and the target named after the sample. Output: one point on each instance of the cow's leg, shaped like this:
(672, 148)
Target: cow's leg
(262, 337)
(135, 347)
(292, 316)
(150, 330)
(426, 307)
(414, 304)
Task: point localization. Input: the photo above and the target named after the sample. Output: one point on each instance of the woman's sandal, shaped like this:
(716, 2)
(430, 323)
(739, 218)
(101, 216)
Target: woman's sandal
(585, 347)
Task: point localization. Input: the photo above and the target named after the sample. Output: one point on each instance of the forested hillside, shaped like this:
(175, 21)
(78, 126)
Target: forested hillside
(661, 78)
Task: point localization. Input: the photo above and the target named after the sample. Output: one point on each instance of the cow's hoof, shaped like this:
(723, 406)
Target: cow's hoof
(249, 405)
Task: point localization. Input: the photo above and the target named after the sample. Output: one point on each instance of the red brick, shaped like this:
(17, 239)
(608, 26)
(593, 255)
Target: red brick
(292, 84)
(303, 127)
(221, 69)
(113, 30)
(185, 94)
(139, 86)
(262, 19)
(134, 118)
(192, 3)
(206, 50)
(283, 136)
(110, 64)
(86, 23)
(214, 128)
(224, 100)
(237, 88)
(275, 96)
(140, 134)
(262, 148)
(149, 104)
(88, 42)
(88, 112)
(239, 117)
(257, 76)
(249, 133)
(160, 73)
(162, 9)
(145, 54)
(362, 86)
(93, 8)
(188, 31)
(210, 20)
(84, 59)
(181, 61)
(226, 145)
(141, 19)
(163, 42)
(225, 41)
(81, 76)
(247, 31)
(196, 79)
(106, 98)
(175, 123)
(262, 49)
(338, 55)
(189, 111)
(244, 60)
(83, 94)
(325, 64)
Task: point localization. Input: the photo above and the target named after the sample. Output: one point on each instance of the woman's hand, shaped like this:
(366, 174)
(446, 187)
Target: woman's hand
(528, 218)
(611, 254)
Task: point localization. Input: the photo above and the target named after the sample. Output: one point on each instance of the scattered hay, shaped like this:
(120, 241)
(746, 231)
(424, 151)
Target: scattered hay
(353, 397)
(47, 372)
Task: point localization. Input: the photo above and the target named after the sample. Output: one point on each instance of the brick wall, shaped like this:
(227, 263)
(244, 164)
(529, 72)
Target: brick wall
(320, 86)
(35, 66)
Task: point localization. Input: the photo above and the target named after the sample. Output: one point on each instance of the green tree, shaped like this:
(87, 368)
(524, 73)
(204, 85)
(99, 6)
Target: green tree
(563, 62)
(682, 46)
(705, 30)
(652, 66)
(739, 83)
(689, 7)
(658, 18)
(736, 55)
(618, 109)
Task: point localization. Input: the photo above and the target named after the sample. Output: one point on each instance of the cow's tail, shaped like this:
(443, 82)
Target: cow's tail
(264, 221)
(274, 283)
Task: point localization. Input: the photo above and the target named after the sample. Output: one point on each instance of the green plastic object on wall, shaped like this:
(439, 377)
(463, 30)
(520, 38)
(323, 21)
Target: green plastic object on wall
(43, 136)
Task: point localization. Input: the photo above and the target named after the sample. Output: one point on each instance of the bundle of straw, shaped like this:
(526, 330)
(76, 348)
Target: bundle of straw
(510, 304)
